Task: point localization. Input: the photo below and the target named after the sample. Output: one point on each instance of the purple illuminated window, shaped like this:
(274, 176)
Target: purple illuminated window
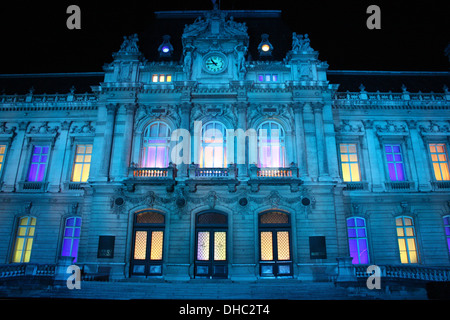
(357, 240)
(38, 165)
(447, 230)
(394, 160)
(155, 150)
(71, 238)
(271, 145)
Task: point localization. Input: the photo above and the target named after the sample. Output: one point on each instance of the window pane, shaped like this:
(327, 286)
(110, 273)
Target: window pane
(445, 172)
(355, 171)
(283, 245)
(346, 173)
(140, 246)
(203, 245)
(363, 252)
(220, 246)
(266, 246)
(157, 245)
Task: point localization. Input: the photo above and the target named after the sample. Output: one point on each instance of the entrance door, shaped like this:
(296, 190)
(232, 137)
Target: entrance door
(211, 246)
(275, 245)
(148, 239)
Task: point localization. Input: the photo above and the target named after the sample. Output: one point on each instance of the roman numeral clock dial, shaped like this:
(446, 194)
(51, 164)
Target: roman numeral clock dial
(214, 63)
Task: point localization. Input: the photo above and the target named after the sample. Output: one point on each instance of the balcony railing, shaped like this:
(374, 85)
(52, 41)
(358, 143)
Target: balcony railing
(33, 186)
(206, 173)
(407, 272)
(289, 172)
(152, 173)
(440, 185)
(399, 185)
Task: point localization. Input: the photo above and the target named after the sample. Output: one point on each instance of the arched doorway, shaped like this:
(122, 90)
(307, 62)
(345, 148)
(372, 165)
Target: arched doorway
(275, 244)
(211, 245)
(148, 239)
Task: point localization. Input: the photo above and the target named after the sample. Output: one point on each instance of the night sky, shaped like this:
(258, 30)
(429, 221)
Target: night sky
(413, 35)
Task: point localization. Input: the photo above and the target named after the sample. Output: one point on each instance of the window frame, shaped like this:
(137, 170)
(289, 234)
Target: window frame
(358, 154)
(145, 145)
(214, 145)
(47, 163)
(72, 238)
(431, 162)
(403, 162)
(406, 237)
(357, 238)
(26, 237)
(282, 144)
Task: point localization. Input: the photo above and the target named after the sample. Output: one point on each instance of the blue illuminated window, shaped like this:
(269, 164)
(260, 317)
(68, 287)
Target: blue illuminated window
(71, 239)
(447, 231)
(357, 240)
(39, 161)
(395, 163)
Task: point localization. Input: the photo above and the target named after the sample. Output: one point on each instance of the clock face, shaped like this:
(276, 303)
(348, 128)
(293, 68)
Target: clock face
(215, 63)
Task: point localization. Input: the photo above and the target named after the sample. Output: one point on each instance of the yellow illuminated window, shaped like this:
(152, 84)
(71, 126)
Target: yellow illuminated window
(283, 245)
(266, 246)
(349, 162)
(24, 240)
(406, 240)
(157, 245)
(2, 156)
(220, 245)
(82, 163)
(439, 160)
(161, 78)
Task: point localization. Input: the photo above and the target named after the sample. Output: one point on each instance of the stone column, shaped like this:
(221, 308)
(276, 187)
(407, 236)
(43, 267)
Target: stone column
(423, 175)
(57, 159)
(14, 152)
(127, 138)
(320, 140)
(331, 155)
(185, 112)
(300, 140)
(242, 124)
(310, 139)
(377, 180)
(103, 172)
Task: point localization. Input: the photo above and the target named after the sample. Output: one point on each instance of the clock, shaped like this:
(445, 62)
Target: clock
(214, 63)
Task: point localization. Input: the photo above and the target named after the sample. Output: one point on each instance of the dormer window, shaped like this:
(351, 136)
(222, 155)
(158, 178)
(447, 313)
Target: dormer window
(159, 78)
(267, 77)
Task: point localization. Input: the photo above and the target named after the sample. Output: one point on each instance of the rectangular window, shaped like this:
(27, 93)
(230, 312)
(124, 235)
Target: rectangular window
(161, 78)
(39, 161)
(357, 240)
(447, 231)
(349, 162)
(82, 163)
(395, 164)
(71, 238)
(2, 156)
(24, 240)
(439, 160)
(267, 77)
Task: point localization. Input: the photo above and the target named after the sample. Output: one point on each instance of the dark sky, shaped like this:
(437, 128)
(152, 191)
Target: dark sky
(413, 35)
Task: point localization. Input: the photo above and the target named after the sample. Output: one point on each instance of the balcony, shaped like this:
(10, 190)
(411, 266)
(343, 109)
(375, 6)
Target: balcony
(274, 176)
(354, 186)
(399, 186)
(212, 176)
(151, 176)
(33, 186)
(440, 185)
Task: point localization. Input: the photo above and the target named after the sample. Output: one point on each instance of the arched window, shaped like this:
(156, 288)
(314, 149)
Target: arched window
(275, 244)
(357, 240)
(71, 238)
(213, 149)
(148, 239)
(24, 239)
(155, 146)
(271, 145)
(407, 243)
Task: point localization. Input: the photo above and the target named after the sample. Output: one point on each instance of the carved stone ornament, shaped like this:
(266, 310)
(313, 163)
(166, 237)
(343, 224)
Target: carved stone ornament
(434, 128)
(349, 127)
(44, 129)
(391, 128)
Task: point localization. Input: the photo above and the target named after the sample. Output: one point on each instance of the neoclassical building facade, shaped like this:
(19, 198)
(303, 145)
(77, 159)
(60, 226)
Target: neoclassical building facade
(218, 159)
